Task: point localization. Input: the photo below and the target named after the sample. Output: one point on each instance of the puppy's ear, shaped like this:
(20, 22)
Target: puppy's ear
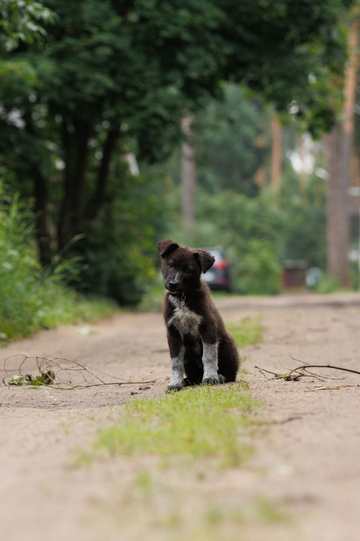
(204, 259)
(165, 247)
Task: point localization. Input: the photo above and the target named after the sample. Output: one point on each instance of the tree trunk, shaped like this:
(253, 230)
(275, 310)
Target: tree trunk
(276, 153)
(188, 175)
(99, 196)
(78, 180)
(40, 192)
(63, 219)
(339, 157)
(42, 232)
(260, 175)
(72, 206)
(337, 217)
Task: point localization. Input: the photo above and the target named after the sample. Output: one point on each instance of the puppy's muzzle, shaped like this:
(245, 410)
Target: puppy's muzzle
(173, 286)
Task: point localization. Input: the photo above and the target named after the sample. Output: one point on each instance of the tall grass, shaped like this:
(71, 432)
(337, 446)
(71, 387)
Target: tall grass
(30, 299)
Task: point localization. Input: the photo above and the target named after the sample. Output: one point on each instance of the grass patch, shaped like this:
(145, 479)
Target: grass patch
(248, 331)
(48, 306)
(199, 422)
(268, 512)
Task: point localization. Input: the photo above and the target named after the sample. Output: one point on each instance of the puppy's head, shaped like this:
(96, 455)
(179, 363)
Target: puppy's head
(181, 266)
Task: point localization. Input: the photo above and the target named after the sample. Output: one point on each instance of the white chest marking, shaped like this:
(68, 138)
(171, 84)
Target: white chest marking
(185, 320)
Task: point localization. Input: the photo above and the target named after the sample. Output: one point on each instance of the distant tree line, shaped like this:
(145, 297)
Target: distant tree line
(109, 78)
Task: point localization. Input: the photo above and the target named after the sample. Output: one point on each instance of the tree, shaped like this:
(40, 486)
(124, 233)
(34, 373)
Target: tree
(276, 154)
(116, 75)
(227, 142)
(22, 21)
(339, 143)
(188, 174)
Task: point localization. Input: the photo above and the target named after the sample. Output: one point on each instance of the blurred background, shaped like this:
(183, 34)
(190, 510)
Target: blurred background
(221, 124)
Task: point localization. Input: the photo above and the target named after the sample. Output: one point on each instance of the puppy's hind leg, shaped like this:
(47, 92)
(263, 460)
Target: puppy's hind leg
(228, 359)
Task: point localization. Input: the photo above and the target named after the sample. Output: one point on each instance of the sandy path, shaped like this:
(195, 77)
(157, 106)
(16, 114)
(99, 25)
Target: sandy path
(308, 462)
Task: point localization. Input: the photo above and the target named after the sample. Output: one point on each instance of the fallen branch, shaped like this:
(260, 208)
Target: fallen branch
(325, 366)
(295, 374)
(58, 373)
(286, 377)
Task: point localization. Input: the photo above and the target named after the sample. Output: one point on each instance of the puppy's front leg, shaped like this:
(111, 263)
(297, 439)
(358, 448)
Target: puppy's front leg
(177, 360)
(210, 363)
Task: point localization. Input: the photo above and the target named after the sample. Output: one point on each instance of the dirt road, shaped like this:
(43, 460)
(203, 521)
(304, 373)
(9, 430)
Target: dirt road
(306, 467)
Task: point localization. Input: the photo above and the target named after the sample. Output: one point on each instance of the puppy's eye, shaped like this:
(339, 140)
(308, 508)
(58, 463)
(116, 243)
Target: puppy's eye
(171, 265)
(187, 270)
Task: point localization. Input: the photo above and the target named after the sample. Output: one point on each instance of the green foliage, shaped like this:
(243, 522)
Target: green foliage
(153, 299)
(259, 270)
(30, 300)
(44, 378)
(248, 230)
(115, 77)
(22, 21)
(304, 214)
(119, 248)
(327, 284)
(201, 422)
(227, 151)
(355, 276)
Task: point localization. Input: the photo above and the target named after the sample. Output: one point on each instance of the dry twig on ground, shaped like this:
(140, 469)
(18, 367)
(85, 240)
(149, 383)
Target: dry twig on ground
(57, 373)
(303, 371)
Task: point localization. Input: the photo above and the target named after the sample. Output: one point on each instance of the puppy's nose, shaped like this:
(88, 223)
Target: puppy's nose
(173, 284)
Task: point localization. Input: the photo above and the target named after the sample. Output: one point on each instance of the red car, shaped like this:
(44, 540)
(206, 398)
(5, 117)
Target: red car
(219, 276)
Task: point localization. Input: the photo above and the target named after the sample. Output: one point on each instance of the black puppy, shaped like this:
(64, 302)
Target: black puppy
(199, 345)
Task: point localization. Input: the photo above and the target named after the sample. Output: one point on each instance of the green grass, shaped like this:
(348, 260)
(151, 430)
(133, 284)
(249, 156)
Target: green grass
(31, 298)
(48, 306)
(248, 331)
(64, 306)
(197, 422)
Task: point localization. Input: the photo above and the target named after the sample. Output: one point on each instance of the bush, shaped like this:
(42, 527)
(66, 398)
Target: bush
(30, 299)
(248, 230)
(327, 284)
(304, 214)
(119, 248)
(258, 272)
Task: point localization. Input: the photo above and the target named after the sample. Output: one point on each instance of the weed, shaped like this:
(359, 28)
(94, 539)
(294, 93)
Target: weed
(268, 512)
(144, 482)
(248, 331)
(83, 460)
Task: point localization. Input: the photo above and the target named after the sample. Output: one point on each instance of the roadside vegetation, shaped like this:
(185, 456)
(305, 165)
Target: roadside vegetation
(93, 150)
(33, 298)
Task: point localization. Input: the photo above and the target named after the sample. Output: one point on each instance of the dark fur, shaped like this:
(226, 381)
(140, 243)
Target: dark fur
(194, 326)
